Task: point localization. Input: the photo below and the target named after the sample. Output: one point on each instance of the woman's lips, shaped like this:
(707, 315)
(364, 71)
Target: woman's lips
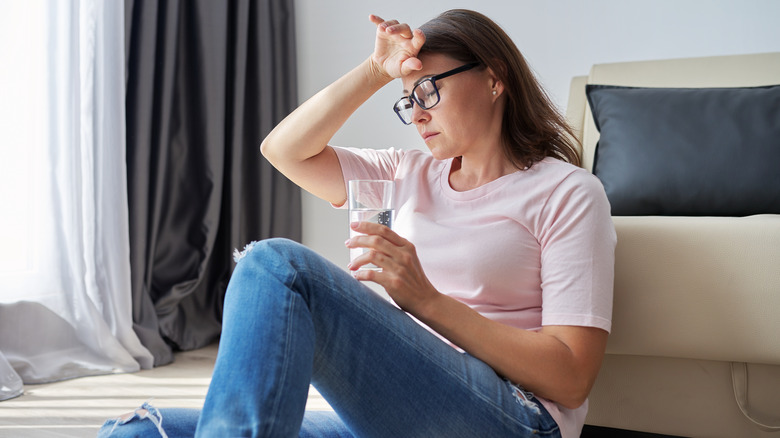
(428, 135)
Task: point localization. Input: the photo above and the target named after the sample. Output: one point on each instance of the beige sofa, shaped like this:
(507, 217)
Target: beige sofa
(695, 347)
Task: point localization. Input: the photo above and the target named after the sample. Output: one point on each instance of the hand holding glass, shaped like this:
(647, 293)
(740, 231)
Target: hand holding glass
(369, 201)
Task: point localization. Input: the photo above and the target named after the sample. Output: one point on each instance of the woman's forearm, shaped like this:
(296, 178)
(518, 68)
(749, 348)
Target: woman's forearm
(306, 131)
(298, 146)
(559, 363)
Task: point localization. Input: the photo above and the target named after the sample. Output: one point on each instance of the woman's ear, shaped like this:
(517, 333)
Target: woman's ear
(496, 85)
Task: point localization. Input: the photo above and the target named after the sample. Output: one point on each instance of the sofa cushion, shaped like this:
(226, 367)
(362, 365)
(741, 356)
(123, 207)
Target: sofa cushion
(688, 151)
(697, 288)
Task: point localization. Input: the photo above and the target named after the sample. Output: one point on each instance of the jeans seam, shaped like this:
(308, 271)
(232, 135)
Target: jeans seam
(285, 357)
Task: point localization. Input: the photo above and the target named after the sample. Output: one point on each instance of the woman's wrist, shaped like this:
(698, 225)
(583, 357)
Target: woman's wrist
(375, 73)
(431, 309)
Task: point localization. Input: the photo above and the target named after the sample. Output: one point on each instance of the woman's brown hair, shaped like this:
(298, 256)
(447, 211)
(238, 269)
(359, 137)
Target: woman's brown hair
(532, 127)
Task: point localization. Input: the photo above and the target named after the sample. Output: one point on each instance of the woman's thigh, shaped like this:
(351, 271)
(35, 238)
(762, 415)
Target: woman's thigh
(394, 378)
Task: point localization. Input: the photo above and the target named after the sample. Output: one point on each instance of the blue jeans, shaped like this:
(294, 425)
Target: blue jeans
(292, 318)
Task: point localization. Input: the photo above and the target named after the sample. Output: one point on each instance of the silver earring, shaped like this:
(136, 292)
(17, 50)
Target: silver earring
(495, 92)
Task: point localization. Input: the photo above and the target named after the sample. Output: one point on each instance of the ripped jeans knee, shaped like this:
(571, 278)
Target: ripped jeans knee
(524, 398)
(148, 421)
(276, 244)
(238, 255)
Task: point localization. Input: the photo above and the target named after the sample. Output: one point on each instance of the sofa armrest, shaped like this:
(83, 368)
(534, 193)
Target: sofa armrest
(575, 112)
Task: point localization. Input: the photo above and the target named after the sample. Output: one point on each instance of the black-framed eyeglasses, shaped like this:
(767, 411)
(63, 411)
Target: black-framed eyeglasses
(425, 94)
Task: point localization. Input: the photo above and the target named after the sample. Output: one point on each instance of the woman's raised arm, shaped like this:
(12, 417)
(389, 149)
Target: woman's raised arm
(298, 146)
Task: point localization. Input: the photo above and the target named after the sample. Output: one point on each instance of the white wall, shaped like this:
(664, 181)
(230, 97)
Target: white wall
(560, 39)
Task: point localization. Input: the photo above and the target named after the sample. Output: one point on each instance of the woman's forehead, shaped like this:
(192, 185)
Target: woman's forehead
(432, 64)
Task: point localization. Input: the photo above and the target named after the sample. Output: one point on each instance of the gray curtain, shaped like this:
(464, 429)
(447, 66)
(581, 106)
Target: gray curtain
(206, 81)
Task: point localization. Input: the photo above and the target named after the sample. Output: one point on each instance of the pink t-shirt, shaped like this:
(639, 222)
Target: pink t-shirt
(532, 248)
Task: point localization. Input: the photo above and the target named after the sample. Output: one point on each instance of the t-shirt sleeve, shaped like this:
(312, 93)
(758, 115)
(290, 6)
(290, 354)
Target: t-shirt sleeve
(578, 254)
(368, 163)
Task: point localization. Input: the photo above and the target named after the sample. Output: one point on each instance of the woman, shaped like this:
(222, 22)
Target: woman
(501, 246)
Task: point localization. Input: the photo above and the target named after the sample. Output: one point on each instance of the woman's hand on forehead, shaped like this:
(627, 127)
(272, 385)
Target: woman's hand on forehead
(396, 47)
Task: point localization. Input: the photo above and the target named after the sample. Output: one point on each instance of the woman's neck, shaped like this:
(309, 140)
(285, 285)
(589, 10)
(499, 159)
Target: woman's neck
(469, 172)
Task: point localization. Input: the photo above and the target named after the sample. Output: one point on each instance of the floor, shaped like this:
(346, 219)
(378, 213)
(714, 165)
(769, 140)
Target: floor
(77, 408)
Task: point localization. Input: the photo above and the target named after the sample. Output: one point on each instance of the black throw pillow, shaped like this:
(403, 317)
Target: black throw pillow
(688, 151)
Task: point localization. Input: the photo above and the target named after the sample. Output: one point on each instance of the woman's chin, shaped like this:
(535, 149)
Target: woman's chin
(439, 153)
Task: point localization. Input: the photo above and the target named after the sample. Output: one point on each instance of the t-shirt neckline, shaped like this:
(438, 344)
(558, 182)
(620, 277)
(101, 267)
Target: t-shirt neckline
(469, 195)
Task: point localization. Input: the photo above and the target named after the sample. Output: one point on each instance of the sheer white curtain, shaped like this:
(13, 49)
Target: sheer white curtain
(65, 307)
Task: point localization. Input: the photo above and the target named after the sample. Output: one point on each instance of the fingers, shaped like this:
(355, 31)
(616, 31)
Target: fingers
(389, 273)
(375, 19)
(380, 242)
(396, 47)
(369, 275)
(371, 228)
(373, 247)
(401, 29)
(409, 65)
(373, 260)
(413, 64)
(392, 27)
(418, 39)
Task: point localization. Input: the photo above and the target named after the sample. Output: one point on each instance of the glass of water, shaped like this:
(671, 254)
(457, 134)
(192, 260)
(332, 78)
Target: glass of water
(369, 201)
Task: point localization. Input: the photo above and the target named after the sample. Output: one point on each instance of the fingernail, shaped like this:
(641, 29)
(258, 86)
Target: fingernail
(354, 225)
(346, 242)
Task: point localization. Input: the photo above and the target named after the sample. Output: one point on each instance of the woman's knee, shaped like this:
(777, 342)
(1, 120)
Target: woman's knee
(278, 265)
(147, 421)
(266, 266)
(281, 257)
(276, 245)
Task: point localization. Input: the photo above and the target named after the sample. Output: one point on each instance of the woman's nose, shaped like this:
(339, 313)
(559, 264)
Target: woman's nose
(420, 115)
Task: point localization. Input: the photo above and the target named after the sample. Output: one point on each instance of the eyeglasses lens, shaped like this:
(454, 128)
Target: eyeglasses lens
(404, 110)
(426, 94)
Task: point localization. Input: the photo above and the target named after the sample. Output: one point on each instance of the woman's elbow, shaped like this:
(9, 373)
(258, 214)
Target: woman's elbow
(270, 150)
(576, 393)
(265, 147)
(573, 401)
